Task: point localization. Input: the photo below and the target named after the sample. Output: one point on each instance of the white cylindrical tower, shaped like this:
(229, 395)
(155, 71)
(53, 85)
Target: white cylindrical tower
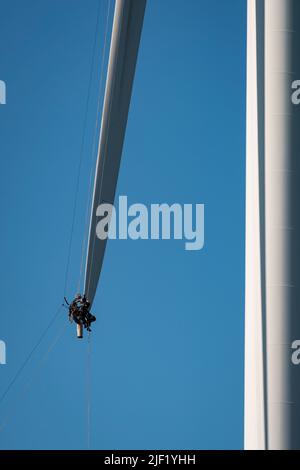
(272, 381)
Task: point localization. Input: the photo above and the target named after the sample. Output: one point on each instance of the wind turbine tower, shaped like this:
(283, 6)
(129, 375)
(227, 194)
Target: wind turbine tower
(272, 305)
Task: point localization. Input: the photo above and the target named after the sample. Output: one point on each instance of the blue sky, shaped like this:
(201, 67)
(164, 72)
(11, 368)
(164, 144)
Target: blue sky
(167, 349)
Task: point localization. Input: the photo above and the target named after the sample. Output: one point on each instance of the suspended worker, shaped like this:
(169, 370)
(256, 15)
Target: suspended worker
(79, 312)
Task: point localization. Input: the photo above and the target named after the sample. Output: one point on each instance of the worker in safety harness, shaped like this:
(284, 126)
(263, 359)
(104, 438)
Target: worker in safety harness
(79, 311)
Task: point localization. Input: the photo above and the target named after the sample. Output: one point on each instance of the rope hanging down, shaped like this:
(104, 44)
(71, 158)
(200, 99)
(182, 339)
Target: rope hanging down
(81, 155)
(95, 135)
(23, 365)
(89, 389)
(26, 388)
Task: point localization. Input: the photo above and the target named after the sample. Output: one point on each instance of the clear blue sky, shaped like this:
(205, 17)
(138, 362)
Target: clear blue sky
(167, 349)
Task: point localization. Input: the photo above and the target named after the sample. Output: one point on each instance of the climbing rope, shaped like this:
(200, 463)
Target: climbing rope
(89, 389)
(88, 274)
(26, 388)
(23, 365)
(95, 135)
(81, 156)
